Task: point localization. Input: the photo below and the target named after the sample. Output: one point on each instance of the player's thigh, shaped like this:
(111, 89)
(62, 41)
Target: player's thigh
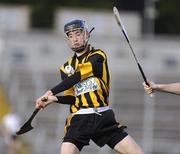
(128, 146)
(69, 148)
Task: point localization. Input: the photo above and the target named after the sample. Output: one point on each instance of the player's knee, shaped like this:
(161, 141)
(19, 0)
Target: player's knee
(128, 146)
(69, 148)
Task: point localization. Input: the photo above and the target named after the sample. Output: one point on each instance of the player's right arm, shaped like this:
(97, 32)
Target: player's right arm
(55, 99)
(169, 88)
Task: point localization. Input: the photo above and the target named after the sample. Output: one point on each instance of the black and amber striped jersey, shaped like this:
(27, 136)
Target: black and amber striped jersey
(93, 88)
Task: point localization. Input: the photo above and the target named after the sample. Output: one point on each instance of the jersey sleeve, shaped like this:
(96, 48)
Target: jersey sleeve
(67, 83)
(66, 99)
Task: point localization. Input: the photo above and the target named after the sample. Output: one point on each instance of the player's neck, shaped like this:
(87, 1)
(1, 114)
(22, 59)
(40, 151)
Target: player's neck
(83, 52)
(80, 53)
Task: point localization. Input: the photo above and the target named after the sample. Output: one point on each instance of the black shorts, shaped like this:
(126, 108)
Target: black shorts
(102, 129)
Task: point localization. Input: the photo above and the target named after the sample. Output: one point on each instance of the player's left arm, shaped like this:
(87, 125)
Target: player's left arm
(93, 67)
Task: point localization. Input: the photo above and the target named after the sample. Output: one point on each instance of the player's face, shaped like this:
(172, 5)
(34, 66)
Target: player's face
(76, 38)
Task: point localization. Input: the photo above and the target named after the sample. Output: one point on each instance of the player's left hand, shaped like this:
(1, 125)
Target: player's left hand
(148, 88)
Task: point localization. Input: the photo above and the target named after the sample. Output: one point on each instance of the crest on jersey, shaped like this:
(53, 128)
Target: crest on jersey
(69, 70)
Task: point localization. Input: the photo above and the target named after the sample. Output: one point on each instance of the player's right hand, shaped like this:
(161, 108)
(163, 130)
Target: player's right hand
(42, 102)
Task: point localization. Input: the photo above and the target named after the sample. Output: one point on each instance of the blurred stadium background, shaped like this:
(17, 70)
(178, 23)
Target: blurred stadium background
(32, 47)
